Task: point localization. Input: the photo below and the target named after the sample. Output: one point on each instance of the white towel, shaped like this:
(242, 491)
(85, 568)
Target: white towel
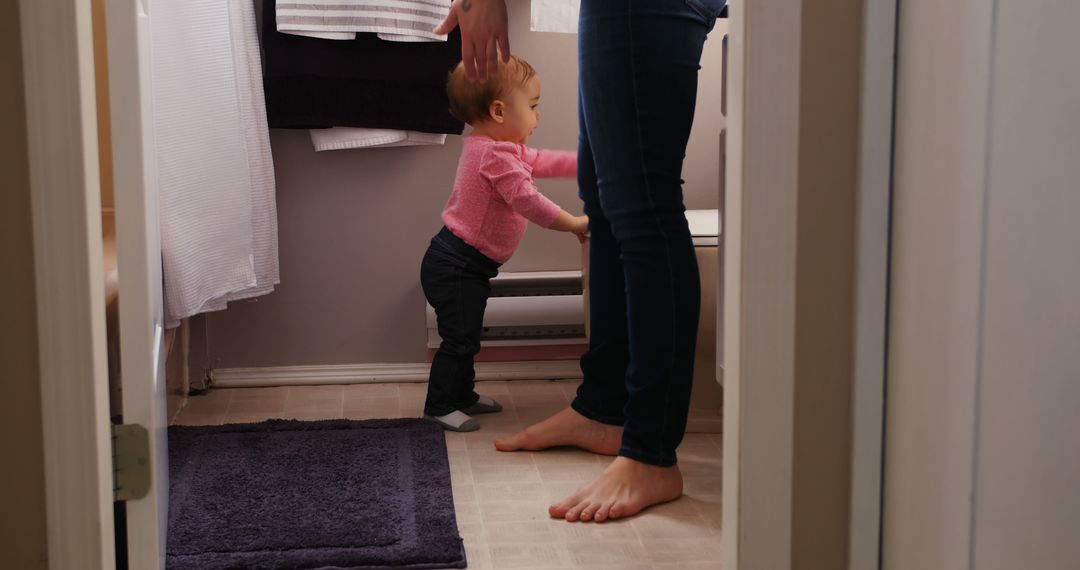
(393, 20)
(247, 58)
(341, 138)
(214, 171)
(555, 16)
(323, 35)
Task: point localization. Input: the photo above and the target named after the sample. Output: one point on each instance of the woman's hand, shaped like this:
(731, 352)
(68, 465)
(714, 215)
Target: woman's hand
(483, 35)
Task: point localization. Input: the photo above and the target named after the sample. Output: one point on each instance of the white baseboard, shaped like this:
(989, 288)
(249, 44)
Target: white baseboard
(386, 373)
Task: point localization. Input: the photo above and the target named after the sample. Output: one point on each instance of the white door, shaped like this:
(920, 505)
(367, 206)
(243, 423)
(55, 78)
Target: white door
(139, 258)
(982, 456)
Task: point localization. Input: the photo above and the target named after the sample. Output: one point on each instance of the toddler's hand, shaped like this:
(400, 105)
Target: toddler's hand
(581, 228)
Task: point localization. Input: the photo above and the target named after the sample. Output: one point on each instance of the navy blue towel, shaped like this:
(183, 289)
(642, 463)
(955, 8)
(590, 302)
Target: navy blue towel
(366, 82)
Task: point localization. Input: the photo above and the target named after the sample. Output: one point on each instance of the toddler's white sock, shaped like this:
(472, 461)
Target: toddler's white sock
(484, 405)
(456, 421)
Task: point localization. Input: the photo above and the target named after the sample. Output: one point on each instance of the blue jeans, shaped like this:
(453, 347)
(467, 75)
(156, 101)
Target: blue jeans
(639, 62)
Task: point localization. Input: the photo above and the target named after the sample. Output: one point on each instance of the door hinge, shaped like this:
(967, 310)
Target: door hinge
(131, 462)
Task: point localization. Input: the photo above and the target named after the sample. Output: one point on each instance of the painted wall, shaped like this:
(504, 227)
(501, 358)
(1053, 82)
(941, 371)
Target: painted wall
(354, 226)
(939, 160)
(982, 456)
(1027, 512)
(22, 488)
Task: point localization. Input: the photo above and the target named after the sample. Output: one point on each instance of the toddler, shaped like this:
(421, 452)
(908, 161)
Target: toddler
(493, 199)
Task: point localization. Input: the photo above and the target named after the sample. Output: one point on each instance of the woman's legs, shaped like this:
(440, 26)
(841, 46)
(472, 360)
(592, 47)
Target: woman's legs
(639, 64)
(603, 394)
(595, 421)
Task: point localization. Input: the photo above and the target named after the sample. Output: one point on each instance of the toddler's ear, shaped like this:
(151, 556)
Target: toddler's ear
(497, 111)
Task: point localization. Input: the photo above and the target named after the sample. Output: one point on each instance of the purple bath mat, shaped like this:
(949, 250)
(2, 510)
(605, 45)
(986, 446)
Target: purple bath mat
(329, 495)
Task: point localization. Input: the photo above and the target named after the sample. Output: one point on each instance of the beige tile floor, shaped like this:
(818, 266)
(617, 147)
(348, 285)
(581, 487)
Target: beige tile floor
(502, 498)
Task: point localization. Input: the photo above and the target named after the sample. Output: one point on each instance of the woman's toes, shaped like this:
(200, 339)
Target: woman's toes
(587, 514)
(603, 513)
(559, 510)
(574, 514)
(623, 509)
(514, 442)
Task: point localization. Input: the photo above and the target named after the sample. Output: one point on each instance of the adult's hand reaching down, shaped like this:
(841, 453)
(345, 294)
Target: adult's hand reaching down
(484, 35)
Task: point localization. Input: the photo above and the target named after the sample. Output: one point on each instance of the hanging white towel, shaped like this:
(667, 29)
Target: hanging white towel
(249, 87)
(393, 20)
(341, 138)
(214, 169)
(555, 16)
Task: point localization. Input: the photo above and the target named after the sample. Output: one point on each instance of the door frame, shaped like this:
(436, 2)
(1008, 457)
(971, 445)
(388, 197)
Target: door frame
(761, 263)
(763, 154)
(58, 66)
(877, 133)
(141, 308)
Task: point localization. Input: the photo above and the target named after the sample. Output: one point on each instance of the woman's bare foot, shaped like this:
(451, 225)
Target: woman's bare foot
(622, 490)
(565, 428)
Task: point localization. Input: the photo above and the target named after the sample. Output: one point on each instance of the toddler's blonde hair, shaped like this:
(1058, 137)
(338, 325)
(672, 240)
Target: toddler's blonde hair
(470, 101)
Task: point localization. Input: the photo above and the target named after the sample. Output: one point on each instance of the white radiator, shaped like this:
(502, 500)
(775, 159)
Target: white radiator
(532, 308)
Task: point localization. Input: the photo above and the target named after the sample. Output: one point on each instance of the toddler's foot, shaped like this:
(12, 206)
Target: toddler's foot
(484, 405)
(455, 421)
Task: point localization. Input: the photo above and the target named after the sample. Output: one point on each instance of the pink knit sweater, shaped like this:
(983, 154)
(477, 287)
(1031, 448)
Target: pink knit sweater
(495, 198)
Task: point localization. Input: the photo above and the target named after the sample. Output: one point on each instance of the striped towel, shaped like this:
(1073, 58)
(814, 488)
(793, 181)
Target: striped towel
(215, 171)
(393, 20)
